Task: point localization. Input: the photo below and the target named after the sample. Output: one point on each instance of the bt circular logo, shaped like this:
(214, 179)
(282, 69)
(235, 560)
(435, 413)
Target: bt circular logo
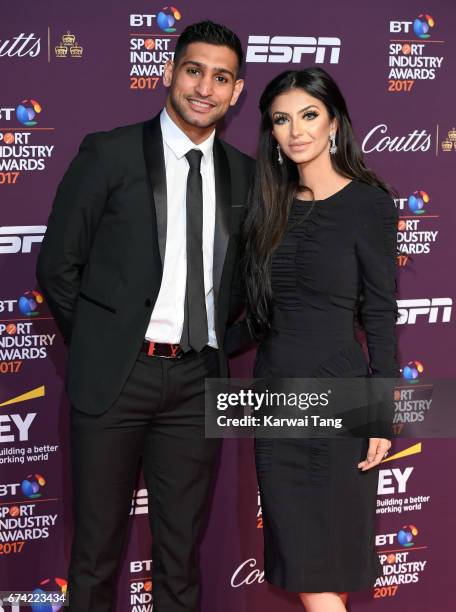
(28, 303)
(32, 484)
(49, 585)
(411, 372)
(26, 112)
(417, 202)
(406, 534)
(422, 25)
(167, 17)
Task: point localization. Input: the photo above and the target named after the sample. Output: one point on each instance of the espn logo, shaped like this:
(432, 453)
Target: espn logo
(139, 502)
(19, 239)
(290, 49)
(432, 309)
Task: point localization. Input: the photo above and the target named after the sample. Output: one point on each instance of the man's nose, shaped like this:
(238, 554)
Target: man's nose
(205, 86)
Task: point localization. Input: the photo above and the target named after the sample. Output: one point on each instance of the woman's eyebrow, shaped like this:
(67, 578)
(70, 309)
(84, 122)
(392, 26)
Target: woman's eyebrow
(299, 111)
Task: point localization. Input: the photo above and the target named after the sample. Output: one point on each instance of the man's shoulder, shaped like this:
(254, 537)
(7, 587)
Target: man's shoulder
(237, 155)
(117, 136)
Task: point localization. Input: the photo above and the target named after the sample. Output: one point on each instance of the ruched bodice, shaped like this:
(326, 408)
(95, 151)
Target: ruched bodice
(333, 263)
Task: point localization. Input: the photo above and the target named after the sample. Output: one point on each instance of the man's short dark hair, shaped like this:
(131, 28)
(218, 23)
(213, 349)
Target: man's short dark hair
(210, 33)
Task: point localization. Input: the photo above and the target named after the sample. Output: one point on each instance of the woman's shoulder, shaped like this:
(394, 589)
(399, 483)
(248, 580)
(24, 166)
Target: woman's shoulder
(372, 200)
(369, 191)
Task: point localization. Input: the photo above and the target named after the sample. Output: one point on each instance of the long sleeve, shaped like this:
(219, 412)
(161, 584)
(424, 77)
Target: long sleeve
(239, 335)
(76, 211)
(376, 251)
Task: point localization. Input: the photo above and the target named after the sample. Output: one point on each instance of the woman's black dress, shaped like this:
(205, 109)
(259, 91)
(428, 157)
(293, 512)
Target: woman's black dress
(318, 507)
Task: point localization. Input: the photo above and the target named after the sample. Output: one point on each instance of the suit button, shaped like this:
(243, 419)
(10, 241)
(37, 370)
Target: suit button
(148, 303)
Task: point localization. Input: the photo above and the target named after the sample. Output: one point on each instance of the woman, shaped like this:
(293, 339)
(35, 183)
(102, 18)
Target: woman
(320, 250)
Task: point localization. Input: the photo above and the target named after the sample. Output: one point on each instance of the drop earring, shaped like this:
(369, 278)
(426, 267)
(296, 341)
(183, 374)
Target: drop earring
(333, 148)
(279, 155)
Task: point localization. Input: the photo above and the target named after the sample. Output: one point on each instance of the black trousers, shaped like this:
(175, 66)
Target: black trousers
(159, 416)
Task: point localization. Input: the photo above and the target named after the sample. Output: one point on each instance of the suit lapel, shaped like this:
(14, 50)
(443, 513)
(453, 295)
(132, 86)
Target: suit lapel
(222, 211)
(155, 165)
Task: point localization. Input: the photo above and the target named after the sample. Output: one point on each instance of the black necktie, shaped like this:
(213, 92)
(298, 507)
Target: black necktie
(194, 333)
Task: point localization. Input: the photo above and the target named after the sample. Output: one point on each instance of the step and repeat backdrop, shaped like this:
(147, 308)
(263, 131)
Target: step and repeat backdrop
(72, 68)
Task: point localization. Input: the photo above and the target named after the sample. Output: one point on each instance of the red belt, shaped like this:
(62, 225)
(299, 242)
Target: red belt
(161, 349)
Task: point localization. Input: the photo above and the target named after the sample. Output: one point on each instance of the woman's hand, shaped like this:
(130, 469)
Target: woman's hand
(375, 453)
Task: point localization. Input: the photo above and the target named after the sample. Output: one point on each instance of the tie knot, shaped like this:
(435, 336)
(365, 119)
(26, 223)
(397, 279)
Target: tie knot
(194, 158)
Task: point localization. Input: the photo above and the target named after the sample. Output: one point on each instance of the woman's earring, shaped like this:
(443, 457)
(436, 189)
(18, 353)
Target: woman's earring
(333, 148)
(279, 155)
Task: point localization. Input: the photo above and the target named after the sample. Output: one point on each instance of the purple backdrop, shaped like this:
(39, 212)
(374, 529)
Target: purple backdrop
(69, 69)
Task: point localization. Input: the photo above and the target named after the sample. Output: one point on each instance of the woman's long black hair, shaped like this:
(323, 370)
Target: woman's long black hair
(275, 185)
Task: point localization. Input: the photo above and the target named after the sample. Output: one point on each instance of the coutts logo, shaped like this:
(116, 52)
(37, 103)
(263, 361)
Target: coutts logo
(247, 574)
(375, 140)
(22, 45)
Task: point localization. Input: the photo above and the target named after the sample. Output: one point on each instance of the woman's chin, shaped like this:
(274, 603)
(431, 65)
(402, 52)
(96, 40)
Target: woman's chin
(300, 157)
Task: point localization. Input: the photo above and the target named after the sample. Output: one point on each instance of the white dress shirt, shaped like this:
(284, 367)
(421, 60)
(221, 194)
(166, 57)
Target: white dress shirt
(167, 319)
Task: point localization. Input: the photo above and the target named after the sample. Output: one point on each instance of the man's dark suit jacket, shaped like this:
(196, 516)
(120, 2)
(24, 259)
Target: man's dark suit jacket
(100, 265)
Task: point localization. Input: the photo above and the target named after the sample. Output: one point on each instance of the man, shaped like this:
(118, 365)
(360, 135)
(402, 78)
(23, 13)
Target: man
(137, 266)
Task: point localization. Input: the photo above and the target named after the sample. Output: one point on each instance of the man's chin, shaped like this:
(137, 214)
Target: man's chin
(200, 120)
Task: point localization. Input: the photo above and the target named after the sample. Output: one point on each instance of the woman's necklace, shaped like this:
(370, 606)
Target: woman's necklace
(304, 217)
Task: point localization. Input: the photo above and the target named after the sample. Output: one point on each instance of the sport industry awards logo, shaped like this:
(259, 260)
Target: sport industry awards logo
(152, 41)
(414, 54)
(18, 151)
(416, 227)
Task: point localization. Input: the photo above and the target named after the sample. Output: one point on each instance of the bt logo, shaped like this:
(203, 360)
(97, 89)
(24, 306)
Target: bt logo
(140, 566)
(28, 303)
(7, 305)
(417, 202)
(26, 112)
(290, 49)
(6, 113)
(167, 17)
(48, 586)
(412, 371)
(404, 537)
(32, 484)
(421, 26)
(406, 534)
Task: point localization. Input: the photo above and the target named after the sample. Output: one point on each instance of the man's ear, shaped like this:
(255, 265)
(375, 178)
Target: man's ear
(168, 73)
(238, 87)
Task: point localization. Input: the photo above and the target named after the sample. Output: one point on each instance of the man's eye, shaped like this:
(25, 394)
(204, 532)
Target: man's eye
(192, 70)
(221, 79)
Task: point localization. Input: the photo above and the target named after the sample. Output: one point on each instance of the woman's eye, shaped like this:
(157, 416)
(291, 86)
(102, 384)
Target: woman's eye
(310, 115)
(280, 120)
